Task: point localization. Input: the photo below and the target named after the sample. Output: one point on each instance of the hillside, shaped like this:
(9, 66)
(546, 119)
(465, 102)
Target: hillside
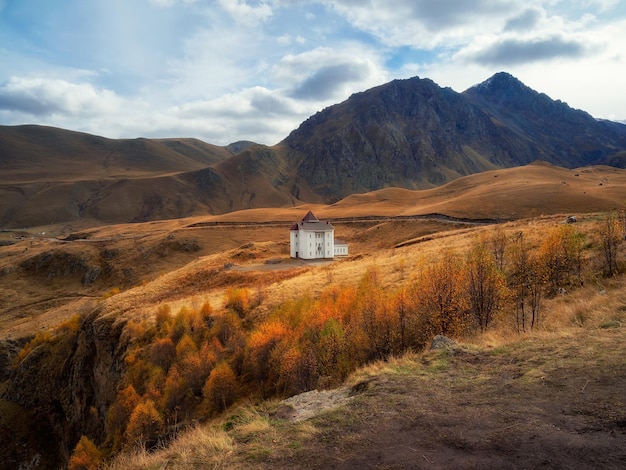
(31, 154)
(70, 383)
(46, 279)
(545, 401)
(54, 176)
(409, 134)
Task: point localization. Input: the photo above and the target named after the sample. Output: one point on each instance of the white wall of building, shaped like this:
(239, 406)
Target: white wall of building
(293, 243)
(305, 244)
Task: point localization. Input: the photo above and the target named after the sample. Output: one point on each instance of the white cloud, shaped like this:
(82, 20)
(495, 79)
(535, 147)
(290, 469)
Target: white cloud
(359, 65)
(40, 96)
(424, 23)
(244, 13)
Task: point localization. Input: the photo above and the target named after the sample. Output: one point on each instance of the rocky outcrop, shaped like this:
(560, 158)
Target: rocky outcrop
(69, 382)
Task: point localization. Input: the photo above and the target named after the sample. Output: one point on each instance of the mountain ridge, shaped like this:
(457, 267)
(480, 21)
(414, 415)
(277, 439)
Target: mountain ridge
(408, 133)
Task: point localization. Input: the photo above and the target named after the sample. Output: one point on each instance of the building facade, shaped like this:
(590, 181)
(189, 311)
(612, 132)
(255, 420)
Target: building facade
(312, 238)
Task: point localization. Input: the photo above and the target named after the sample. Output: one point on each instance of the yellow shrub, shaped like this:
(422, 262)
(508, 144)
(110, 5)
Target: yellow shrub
(86, 456)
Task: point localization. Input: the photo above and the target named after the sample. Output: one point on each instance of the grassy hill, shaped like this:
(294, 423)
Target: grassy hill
(38, 284)
(408, 134)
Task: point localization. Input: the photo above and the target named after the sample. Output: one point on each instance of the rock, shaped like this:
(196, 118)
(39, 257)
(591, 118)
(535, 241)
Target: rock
(442, 342)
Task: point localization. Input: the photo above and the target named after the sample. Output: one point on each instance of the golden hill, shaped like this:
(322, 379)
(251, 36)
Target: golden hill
(36, 283)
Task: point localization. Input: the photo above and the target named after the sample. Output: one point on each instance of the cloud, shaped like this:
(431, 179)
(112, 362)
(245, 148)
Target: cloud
(326, 81)
(241, 12)
(425, 23)
(525, 21)
(326, 73)
(517, 51)
(41, 97)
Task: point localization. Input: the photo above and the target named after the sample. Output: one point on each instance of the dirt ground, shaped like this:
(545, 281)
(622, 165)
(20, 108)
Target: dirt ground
(553, 403)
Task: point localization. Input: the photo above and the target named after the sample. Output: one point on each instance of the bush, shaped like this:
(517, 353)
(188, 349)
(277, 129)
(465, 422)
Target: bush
(40, 338)
(238, 300)
(86, 456)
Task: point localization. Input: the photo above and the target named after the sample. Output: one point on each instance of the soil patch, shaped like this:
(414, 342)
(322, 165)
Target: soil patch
(555, 403)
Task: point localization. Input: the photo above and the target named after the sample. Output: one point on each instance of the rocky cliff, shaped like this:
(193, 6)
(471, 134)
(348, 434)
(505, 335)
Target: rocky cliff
(68, 383)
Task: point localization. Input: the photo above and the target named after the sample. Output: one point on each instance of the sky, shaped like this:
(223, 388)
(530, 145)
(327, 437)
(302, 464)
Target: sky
(230, 70)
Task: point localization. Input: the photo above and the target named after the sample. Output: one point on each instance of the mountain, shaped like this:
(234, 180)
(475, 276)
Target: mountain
(559, 134)
(51, 176)
(414, 134)
(37, 153)
(409, 134)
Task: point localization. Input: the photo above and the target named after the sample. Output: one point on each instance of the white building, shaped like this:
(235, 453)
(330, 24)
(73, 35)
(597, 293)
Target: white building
(314, 239)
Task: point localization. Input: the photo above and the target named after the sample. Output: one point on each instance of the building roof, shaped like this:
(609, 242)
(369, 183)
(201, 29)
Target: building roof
(310, 223)
(316, 226)
(310, 217)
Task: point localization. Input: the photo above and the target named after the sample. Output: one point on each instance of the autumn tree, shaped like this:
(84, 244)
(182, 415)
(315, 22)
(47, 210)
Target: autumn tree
(238, 300)
(175, 390)
(163, 353)
(145, 425)
(527, 283)
(119, 413)
(220, 390)
(297, 368)
(376, 321)
(485, 285)
(499, 242)
(440, 295)
(332, 350)
(86, 455)
(611, 234)
(561, 254)
(163, 319)
(259, 347)
(226, 328)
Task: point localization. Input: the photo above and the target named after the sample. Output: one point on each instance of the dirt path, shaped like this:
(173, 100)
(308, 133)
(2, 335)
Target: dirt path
(555, 404)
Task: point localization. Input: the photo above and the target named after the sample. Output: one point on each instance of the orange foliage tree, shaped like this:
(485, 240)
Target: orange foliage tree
(560, 253)
(221, 388)
(440, 295)
(259, 347)
(145, 425)
(238, 300)
(119, 413)
(86, 456)
(485, 285)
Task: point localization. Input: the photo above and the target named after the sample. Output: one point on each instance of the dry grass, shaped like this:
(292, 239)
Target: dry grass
(241, 437)
(200, 447)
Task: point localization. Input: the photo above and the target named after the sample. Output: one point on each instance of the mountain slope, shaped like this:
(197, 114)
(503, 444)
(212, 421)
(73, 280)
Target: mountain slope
(408, 133)
(50, 176)
(561, 135)
(36, 153)
(415, 134)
